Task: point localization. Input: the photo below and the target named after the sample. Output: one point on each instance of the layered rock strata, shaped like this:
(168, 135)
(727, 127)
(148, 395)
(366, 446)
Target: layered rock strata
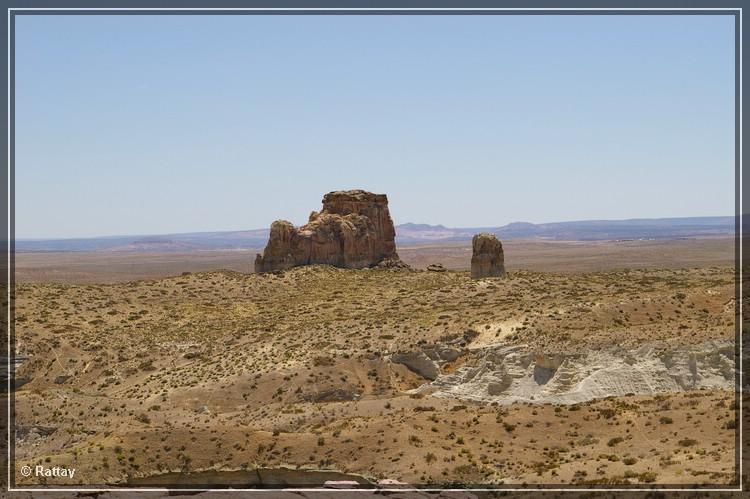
(353, 230)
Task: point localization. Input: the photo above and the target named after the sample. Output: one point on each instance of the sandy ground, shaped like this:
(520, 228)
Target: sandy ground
(548, 256)
(228, 371)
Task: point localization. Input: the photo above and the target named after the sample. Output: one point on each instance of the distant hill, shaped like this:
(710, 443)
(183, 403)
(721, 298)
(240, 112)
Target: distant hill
(168, 242)
(153, 245)
(586, 230)
(409, 233)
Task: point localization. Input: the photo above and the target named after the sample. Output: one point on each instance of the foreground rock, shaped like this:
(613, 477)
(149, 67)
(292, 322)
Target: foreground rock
(505, 373)
(487, 256)
(417, 362)
(393, 264)
(259, 477)
(426, 363)
(354, 230)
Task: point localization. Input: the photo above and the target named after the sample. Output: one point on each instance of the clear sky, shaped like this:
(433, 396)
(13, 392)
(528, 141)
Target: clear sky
(163, 124)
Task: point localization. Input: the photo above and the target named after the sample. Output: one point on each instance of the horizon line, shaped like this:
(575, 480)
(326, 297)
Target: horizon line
(71, 238)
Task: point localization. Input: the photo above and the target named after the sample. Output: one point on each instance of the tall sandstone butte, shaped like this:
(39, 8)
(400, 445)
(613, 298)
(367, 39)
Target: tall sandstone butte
(354, 230)
(487, 258)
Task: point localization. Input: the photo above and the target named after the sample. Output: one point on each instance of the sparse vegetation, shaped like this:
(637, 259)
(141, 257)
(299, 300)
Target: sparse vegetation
(222, 370)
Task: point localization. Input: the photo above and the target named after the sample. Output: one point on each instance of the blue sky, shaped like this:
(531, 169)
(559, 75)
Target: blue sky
(159, 124)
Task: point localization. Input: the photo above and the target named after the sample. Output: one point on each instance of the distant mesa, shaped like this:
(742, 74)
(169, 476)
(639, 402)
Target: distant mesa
(521, 226)
(153, 245)
(354, 230)
(413, 234)
(411, 226)
(487, 259)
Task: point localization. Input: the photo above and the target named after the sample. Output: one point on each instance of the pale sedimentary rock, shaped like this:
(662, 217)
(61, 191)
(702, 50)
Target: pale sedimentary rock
(507, 373)
(417, 362)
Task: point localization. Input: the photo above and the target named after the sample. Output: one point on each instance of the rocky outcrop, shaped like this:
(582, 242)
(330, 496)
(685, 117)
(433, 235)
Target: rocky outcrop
(354, 230)
(417, 362)
(487, 256)
(436, 267)
(506, 373)
(393, 264)
(252, 477)
(427, 362)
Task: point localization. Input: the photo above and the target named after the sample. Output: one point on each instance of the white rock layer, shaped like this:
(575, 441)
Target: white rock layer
(507, 374)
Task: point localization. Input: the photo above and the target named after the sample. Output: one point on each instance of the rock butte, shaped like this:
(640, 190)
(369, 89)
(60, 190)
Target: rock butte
(354, 230)
(487, 256)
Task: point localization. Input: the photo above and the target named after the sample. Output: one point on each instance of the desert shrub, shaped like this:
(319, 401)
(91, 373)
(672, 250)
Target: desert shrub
(614, 441)
(143, 418)
(607, 413)
(424, 408)
(322, 361)
(648, 477)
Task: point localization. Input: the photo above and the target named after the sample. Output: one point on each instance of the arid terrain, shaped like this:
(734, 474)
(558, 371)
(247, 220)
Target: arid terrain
(546, 256)
(587, 373)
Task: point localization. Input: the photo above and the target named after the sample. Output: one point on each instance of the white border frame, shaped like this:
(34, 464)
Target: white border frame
(354, 11)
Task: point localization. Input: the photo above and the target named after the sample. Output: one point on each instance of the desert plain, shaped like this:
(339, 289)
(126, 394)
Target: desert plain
(591, 363)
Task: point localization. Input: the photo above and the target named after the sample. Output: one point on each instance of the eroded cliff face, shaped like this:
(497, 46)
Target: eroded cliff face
(354, 230)
(504, 373)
